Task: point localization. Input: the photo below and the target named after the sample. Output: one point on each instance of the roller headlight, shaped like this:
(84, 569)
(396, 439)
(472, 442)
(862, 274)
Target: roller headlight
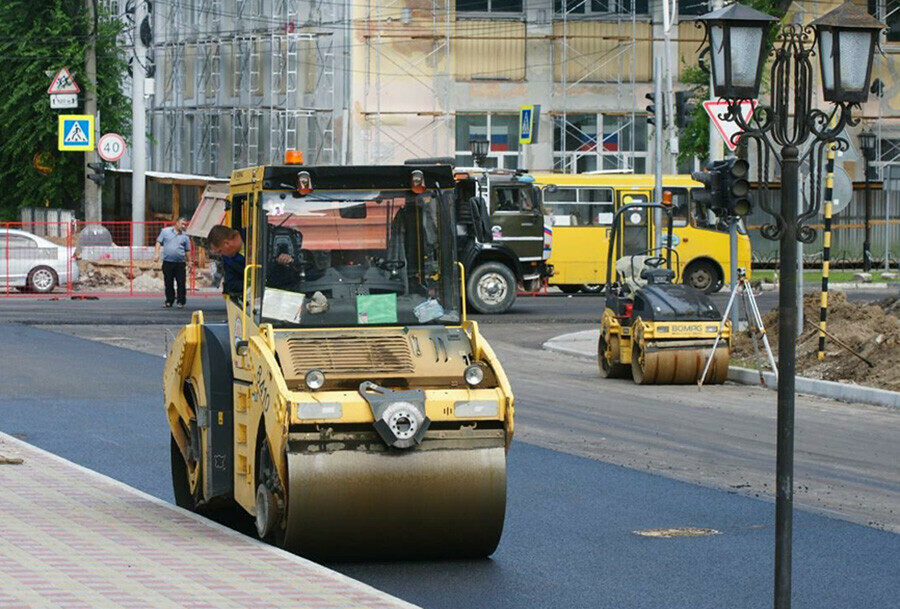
(474, 374)
(315, 379)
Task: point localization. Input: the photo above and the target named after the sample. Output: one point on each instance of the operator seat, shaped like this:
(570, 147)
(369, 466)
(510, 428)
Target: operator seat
(630, 269)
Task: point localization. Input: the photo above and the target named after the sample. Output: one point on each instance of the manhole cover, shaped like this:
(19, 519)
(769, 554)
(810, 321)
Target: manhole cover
(680, 532)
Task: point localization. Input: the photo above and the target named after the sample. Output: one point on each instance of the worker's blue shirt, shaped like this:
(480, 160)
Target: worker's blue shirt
(175, 246)
(233, 279)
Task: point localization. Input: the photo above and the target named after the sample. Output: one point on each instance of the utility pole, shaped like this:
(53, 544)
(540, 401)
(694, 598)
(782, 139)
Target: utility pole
(668, 16)
(660, 131)
(716, 150)
(93, 207)
(138, 128)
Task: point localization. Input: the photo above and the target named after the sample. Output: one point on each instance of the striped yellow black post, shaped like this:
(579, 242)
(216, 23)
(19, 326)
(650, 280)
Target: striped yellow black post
(826, 249)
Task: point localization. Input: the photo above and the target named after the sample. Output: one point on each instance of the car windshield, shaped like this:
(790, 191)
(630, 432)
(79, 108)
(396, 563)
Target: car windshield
(354, 258)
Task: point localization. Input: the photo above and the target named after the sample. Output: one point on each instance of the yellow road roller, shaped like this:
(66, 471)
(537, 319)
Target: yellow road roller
(660, 332)
(347, 408)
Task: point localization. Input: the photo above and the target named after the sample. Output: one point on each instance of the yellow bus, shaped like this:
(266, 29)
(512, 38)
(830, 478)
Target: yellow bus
(581, 208)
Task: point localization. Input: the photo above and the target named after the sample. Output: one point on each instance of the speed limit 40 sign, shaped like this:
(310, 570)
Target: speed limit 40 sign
(111, 147)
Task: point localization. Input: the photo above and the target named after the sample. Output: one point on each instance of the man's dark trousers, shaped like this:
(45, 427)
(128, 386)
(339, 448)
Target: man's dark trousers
(172, 272)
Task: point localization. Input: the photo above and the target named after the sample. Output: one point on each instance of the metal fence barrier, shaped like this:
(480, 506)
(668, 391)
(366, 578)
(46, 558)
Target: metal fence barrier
(77, 258)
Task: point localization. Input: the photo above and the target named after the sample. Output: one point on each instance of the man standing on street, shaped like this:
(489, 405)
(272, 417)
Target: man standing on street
(176, 246)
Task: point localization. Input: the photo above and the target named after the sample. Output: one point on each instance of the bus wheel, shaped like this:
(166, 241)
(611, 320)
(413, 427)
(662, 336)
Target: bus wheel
(491, 288)
(592, 288)
(569, 289)
(703, 276)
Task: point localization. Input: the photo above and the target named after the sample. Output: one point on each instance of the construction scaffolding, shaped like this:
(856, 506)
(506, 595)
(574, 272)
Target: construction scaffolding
(388, 28)
(580, 64)
(238, 86)
(425, 64)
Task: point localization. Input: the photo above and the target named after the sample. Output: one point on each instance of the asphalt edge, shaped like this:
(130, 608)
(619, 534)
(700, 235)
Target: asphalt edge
(842, 392)
(363, 587)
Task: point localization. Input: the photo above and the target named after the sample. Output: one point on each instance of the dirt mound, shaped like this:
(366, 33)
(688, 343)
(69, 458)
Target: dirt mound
(871, 330)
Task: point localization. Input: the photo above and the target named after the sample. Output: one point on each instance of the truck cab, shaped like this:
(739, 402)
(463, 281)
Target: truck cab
(503, 234)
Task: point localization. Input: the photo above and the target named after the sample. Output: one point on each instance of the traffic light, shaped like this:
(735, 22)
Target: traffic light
(726, 188)
(711, 195)
(737, 192)
(100, 176)
(651, 110)
(683, 109)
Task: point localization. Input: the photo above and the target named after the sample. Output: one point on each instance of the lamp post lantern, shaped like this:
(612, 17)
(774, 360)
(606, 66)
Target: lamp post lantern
(846, 40)
(867, 143)
(480, 148)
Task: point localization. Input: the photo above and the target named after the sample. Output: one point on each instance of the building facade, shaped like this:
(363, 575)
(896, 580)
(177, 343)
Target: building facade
(237, 82)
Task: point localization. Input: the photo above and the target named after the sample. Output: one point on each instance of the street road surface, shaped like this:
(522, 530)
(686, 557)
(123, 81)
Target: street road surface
(593, 462)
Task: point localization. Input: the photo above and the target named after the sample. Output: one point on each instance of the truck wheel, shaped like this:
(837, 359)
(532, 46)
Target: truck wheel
(702, 275)
(491, 288)
(42, 279)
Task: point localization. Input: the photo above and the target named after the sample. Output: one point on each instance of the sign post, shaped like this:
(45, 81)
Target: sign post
(63, 91)
(111, 147)
(728, 129)
(76, 132)
(529, 119)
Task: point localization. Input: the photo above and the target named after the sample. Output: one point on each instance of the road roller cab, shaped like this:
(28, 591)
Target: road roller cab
(652, 329)
(347, 405)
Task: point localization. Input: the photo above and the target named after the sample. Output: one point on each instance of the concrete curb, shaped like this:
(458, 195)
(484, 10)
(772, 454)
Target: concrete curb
(881, 285)
(582, 345)
(842, 392)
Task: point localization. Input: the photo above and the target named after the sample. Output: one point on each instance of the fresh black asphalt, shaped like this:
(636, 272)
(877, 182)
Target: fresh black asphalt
(569, 539)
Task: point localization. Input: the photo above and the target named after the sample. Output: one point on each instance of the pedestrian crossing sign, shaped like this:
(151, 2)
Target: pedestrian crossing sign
(76, 132)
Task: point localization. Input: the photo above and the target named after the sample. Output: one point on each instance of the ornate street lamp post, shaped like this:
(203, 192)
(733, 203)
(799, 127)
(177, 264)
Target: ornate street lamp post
(867, 143)
(846, 39)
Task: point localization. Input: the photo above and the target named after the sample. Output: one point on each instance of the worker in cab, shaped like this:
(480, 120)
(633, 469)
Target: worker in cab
(229, 244)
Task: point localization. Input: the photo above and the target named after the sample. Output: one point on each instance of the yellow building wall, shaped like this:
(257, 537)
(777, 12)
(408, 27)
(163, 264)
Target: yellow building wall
(602, 51)
(489, 50)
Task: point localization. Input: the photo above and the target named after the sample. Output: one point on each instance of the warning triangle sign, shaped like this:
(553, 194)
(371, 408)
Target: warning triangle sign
(63, 82)
(728, 129)
(76, 135)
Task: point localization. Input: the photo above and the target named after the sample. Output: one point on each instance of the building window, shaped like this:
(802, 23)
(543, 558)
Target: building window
(892, 19)
(620, 146)
(501, 129)
(488, 6)
(693, 7)
(585, 8)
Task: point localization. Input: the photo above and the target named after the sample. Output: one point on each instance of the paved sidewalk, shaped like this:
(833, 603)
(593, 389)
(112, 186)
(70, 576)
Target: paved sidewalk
(70, 537)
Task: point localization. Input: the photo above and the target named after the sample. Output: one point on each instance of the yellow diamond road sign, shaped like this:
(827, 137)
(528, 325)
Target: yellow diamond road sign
(76, 132)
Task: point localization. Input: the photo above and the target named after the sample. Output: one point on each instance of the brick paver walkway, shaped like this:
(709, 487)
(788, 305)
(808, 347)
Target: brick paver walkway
(70, 537)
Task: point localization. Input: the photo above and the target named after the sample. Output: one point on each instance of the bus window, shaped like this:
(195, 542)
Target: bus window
(600, 203)
(580, 206)
(680, 205)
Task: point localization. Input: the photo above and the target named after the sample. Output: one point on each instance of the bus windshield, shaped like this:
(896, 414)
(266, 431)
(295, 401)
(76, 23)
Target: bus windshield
(353, 258)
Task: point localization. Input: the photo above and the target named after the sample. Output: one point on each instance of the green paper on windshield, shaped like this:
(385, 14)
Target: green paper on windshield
(376, 308)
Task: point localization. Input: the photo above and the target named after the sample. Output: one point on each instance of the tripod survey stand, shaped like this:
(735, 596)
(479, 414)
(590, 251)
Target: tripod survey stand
(754, 320)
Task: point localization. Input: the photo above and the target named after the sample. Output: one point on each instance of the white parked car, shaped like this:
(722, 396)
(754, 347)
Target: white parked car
(32, 263)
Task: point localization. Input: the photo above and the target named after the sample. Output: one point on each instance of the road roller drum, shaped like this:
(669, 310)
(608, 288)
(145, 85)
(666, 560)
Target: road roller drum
(358, 505)
(652, 365)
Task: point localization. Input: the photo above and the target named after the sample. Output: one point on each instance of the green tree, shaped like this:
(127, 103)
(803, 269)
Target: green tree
(38, 36)
(693, 140)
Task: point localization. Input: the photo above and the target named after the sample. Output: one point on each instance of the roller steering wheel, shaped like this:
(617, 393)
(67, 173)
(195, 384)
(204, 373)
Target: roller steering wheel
(392, 266)
(654, 262)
